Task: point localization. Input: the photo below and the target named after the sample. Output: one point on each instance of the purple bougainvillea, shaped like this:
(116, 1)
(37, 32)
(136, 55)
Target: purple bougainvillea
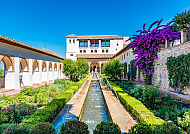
(146, 45)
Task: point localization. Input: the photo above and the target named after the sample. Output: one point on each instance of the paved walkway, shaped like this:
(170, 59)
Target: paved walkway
(118, 112)
(13, 92)
(73, 109)
(165, 91)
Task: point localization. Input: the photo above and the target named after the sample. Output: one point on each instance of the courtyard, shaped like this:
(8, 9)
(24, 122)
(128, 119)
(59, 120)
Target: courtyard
(95, 84)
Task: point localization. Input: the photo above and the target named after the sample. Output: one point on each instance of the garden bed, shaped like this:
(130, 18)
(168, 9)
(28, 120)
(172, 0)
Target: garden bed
(161, 105)
(52, 97)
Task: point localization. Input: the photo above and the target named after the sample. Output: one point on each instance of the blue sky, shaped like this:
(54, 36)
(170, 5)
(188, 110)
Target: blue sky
(39, 22)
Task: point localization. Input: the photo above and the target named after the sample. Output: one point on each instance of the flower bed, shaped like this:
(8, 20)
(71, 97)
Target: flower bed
(59, 97)
(136, 107)
(160, 105)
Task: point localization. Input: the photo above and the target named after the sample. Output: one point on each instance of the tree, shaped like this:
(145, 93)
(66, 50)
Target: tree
(69, 67)
(75, 69)
(146, 46)
(125, 69)
(1, 73)
(83, 66)
(182, 19)
(113, 68)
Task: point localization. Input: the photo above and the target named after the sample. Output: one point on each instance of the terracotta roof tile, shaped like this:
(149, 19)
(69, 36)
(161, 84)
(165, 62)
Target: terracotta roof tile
(90, 56)
(23, 45)
(96, 37)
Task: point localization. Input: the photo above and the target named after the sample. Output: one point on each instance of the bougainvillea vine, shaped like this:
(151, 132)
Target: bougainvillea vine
(146, 45)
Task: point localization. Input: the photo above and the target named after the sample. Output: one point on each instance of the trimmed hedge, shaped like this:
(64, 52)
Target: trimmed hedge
(51, 110)
(140, 111)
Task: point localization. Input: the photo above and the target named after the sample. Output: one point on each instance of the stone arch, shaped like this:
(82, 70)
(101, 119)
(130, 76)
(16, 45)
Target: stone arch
(24, 64)
(35, 66)
(44, 67)
(8, 63)
(55, 66)
(50, 67)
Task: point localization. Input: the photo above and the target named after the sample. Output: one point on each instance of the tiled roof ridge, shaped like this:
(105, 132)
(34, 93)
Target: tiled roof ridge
(30, 47)
(94, 36)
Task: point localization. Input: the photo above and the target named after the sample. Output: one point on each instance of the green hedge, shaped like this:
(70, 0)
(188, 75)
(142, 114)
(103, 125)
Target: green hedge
(140, 111)
(51, 110)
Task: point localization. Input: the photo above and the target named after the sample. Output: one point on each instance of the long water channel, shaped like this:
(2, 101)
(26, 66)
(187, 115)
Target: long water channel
(95, 109)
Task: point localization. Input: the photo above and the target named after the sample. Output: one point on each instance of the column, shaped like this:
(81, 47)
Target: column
(53, 70)
(88, 43)
(167, 44)
(100, 67)
(47, 63)
(99, 43)
(30, 72)
(89, 67)
(40, 71)
(183, 36)
(17, 69)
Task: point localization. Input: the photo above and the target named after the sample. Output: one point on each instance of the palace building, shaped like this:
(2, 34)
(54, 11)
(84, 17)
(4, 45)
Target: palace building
(38, 65)
(96, 49)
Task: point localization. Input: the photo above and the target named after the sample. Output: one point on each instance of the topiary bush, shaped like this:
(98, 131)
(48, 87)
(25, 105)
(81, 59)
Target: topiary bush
(43, 128)
(74, 127)
(141, 129)
(167, 128)
(107, 128)
(16, 129)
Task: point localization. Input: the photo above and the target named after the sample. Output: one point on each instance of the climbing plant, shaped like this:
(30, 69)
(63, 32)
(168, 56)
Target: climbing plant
(125, 69)
(146, 45)
(133, 70)
(178, 71)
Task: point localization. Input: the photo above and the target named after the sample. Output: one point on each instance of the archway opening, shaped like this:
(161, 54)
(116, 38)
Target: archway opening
(55, 67)
(44, 68)
(50, 66)
(2, 75)
(35, 66)
(23, 65)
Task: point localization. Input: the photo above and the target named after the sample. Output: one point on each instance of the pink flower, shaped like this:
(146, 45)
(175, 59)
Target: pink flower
(5, 110)
(52, 93)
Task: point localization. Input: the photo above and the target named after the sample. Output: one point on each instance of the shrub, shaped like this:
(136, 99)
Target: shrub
(185, 121)
(151, 97)
(141, 129)
(167, 128)
(4, 126)
(74, 127)
(142, 114)
(43, 128)
(16, 129)
(107, 128)
(22, 109)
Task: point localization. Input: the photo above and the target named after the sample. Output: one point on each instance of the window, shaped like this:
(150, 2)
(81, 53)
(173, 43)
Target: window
(116, 49)
(69, 41)
(127, 54)
(83, 43)
(95, 51)
(84, 51)
(73, 41)
(94, 43)
(105, 43)
(106, 51)
(91, 51)
(102, 51)
(117, 44)
(80, 51)
(124, 56)
(71, 54)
